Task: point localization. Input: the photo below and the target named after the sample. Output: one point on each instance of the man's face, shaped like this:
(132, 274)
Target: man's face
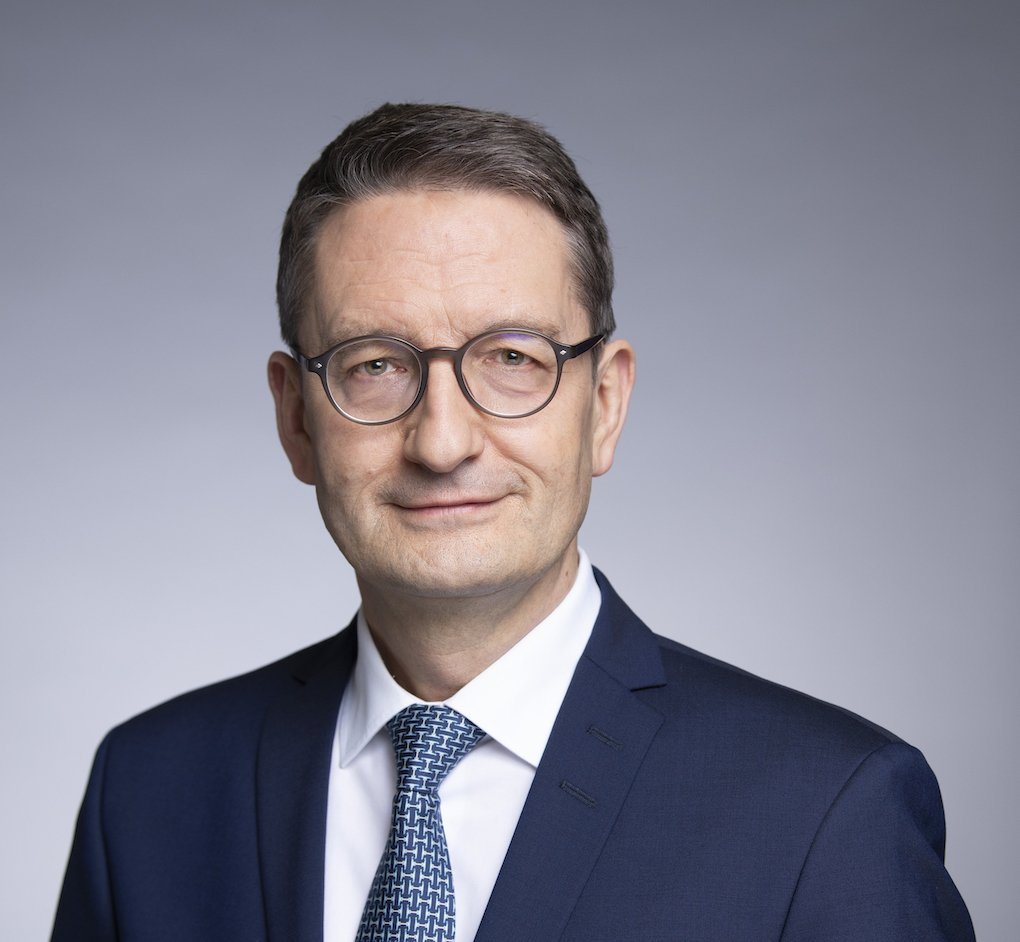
(447, 501)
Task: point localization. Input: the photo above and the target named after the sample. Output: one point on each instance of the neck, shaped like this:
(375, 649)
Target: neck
(434, 646)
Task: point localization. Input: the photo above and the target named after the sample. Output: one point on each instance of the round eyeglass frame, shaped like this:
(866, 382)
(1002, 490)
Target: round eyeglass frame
(563, 351)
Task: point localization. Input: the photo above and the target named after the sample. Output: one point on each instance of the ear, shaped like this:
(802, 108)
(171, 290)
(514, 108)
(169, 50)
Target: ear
(614, 382)
(285, 383)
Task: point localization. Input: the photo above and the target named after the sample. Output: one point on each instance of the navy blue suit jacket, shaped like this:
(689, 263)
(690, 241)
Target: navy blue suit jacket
(678, 798)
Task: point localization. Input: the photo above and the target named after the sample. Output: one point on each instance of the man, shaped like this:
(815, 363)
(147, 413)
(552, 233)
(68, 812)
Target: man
(496, 748)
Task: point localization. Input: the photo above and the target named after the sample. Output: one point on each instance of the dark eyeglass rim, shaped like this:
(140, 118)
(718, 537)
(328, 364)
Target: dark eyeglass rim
(563, 351)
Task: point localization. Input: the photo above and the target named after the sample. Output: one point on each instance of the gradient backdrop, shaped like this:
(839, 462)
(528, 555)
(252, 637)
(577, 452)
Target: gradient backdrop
(815, 213)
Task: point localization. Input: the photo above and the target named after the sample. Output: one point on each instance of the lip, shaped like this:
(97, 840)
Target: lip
(449, 505)
(446, 503)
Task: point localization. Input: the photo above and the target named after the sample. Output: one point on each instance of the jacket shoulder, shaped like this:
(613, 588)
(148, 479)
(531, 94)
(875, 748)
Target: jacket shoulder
(701, 696)
(729, 692)
(762, 812)
(221, 714)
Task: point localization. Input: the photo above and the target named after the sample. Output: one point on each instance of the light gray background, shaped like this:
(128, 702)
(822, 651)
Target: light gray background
(815, 214)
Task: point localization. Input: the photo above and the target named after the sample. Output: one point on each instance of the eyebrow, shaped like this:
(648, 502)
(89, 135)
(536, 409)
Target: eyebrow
(542, 326)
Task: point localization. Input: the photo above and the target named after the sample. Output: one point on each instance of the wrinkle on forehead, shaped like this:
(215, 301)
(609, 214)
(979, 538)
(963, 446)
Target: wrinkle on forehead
(439, 267)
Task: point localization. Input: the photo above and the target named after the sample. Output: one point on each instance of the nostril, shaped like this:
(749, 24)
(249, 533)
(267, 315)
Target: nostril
(444, 430)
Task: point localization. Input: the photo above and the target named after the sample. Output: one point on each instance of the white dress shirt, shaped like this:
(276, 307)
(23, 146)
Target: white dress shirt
(515, 700)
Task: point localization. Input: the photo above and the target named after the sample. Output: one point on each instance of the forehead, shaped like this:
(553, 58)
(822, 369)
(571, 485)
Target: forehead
(438, 267)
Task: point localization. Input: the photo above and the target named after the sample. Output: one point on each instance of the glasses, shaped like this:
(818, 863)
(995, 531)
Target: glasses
(506, 373)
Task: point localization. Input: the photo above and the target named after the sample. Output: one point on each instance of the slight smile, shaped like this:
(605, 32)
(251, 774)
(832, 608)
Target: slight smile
(450, 507)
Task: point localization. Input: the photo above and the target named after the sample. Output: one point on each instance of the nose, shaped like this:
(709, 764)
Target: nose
(444, 429)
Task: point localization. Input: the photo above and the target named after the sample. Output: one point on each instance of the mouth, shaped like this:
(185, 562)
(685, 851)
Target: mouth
(454, 505)
(460, 498)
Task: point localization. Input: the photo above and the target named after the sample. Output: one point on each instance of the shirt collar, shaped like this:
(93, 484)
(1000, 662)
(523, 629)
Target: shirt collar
(515, 699)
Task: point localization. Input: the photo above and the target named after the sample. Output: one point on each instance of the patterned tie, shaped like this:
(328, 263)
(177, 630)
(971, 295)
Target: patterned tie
(411, 899)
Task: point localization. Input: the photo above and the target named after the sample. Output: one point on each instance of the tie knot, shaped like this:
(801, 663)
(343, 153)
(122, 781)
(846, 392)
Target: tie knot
(428, 741)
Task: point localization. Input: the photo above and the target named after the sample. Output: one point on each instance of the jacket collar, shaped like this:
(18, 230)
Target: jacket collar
(292, 778)
(600, 739)
(622, 645)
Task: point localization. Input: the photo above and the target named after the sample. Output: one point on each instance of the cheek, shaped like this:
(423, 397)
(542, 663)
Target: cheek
(553, 451)
(349, 458)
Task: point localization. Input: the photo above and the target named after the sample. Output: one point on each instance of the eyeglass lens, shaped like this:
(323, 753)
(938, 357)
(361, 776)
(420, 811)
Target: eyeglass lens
(508, 373)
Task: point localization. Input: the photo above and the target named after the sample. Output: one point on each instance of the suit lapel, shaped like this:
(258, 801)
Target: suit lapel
(292, 782)
(597, 745)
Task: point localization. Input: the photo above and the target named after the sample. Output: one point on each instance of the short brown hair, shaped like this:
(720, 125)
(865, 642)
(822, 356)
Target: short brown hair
(404, 147)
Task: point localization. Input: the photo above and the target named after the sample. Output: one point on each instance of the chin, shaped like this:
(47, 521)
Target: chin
(458, 571)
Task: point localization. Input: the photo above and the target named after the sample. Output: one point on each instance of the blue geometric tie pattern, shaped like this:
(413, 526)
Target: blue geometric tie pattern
(411, 899)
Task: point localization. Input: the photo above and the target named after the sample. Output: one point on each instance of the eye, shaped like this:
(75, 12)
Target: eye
(376, 367)
(510, 357)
